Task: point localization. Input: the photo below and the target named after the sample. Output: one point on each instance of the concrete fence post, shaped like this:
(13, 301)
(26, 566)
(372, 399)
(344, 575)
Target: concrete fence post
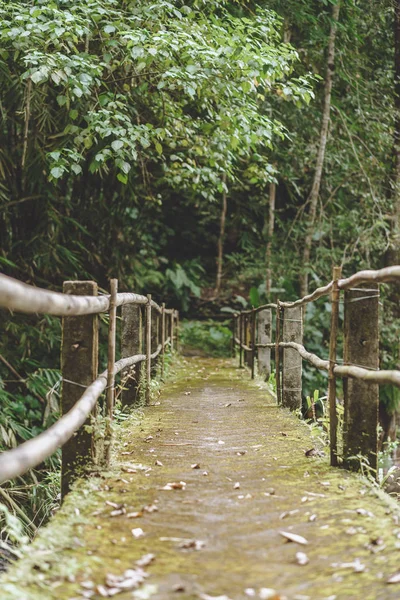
(79, 364)
(361, 399)
(292, 361)
(264, 337)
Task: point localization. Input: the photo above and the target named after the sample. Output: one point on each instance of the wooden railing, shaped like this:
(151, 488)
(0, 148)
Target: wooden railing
(147, 330)
(360, 368)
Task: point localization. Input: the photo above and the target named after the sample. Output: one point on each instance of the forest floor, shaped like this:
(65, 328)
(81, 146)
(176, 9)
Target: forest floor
(208, 485)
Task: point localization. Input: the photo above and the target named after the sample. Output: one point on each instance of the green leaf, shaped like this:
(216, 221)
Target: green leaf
(122, 178)
(117, 145)
(159, 148)
(57, 172)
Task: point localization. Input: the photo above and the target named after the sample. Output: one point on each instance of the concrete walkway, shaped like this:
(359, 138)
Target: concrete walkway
(212, 480)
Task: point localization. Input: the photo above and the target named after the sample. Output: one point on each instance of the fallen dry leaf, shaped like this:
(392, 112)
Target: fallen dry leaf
(205, 473)
(195, 466)
(175, 485)
(158, 463)
(134, 515)
(364, 513)
(394, 578)
(302, 558)
(288, 513)
(146, 560)
(356, 566)
(228, 404)
(187, 393)
(137, 532)
(241, 452)
(268, 594)
(192, 545)
(149, 437)
(293, 537)
(150, 508)
(236, 486)
(113, 504)
(118, 512)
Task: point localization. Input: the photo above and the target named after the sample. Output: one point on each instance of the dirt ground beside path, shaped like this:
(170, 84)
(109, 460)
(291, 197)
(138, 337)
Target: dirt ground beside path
(212, 480)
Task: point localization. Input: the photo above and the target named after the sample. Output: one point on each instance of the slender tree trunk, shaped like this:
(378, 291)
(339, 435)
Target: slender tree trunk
(390, 421)
(271, 223)
(314, 194)
(394, 254)
(220, 247)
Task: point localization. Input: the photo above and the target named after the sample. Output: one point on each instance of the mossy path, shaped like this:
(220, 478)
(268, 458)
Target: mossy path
(219, 536)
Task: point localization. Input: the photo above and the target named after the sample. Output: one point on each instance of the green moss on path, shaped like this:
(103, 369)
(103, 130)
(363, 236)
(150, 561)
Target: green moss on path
(211, 414)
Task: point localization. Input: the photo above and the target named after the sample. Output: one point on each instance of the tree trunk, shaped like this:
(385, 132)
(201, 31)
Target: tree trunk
(220, 247)
(271, 223)
(394, 253)
(314, 194)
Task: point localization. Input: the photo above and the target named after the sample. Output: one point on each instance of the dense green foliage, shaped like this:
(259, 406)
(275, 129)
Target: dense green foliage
(122, 124)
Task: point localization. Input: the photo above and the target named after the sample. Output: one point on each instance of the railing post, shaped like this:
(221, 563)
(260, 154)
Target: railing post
(247, 337)
(148, 347)
(163, 339)
(333, 420)
(241, 340)
(177, 330)
(79, 363)
(112, 330)
(279, 314)
(264, 337)
(131, 344)
(172, 330)
(292, 361)
(253, 342)
(154, 338)
(361, 399)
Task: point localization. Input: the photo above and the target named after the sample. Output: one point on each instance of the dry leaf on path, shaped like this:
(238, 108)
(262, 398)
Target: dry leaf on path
(175, 485)
(236, 486)
(158, 463)
(293, 537)
(195, 466)
(394, 578)
(192, 545)
(150, 508)
(137, 532)
(302, 558)
(135, 515)
(146, 560)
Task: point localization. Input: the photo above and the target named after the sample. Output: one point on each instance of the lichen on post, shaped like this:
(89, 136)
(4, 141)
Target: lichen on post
(79, 365)
(361, 399)
(292, 361)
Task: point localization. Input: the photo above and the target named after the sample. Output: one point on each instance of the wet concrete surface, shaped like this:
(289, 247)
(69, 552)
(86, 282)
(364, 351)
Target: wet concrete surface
(220, 534)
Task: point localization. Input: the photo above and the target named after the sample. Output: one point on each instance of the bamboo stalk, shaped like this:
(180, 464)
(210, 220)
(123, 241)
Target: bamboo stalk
(112, 329)
(148, 347)
(333, 420)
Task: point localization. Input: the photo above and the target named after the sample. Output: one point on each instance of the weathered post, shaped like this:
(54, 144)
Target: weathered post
(172, 329)
(241, 328)
(163, 339)
(79, 363)
(361, 399)
(292, 361)
(253, 342)
(264, 337)
(112, 330)
(154, 338)
(148, 347)
(333, 420)
(247, 353)
(177, 330)
(279, 314)
(131, 344)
